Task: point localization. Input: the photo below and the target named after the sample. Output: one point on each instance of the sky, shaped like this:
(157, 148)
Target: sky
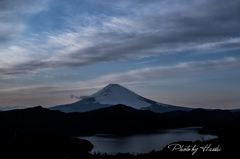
(184, 53)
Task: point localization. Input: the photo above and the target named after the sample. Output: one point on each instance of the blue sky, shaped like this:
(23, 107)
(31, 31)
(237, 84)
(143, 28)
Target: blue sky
(182, 53)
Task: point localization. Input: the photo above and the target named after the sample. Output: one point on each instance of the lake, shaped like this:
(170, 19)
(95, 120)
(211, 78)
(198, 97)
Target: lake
(143, 143)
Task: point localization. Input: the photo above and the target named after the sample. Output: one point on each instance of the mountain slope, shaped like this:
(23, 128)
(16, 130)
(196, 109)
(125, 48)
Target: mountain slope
(38, 121)
(114, 94)
(35, 131)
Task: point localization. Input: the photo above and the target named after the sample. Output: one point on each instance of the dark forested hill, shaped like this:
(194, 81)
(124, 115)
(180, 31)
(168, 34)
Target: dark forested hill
(116, 119)
(39, 132)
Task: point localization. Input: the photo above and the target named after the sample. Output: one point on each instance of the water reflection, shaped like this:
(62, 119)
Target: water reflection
(143, 143)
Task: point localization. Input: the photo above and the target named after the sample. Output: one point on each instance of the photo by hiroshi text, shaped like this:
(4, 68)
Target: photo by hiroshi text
(194, 148)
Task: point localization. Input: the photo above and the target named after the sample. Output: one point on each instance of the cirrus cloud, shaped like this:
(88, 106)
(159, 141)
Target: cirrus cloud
(155, 28)
(163, 72)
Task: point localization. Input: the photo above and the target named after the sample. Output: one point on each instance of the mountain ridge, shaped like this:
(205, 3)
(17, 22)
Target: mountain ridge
(34, 131)
(114, 94)
(117, 119)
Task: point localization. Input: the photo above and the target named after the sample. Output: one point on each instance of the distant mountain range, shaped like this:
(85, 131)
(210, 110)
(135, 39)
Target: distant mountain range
(40, 121)
(114, 94)
(42, 133)
(39, 132)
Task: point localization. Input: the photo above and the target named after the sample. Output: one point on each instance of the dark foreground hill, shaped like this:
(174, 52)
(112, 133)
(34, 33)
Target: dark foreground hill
(43, 147)
(42, 133)
(39, 121)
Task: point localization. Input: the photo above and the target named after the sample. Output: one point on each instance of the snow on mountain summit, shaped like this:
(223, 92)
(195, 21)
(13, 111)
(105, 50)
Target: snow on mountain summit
(115, 94)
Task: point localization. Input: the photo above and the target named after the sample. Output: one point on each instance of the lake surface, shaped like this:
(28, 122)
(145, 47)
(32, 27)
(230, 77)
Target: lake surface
(143, 143)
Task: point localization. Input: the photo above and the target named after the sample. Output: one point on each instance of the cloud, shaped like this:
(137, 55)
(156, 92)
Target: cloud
(45, 95)
(49, 95)
(231, 43)
(179, 70)
(13, 14)
(145, 29)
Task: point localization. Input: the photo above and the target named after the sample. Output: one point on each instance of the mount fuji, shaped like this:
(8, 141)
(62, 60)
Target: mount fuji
(114, 94)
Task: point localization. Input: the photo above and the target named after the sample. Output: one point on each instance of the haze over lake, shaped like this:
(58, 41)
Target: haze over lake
(143, 143)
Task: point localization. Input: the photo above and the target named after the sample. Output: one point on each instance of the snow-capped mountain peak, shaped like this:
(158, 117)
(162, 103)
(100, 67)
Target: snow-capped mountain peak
(116, 94)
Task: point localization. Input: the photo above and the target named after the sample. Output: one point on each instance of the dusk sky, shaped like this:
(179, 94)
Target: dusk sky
(184, 53)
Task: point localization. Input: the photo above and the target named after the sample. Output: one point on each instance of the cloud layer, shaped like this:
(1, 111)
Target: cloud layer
(13, 14)
(150, 29)
(164, 72)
